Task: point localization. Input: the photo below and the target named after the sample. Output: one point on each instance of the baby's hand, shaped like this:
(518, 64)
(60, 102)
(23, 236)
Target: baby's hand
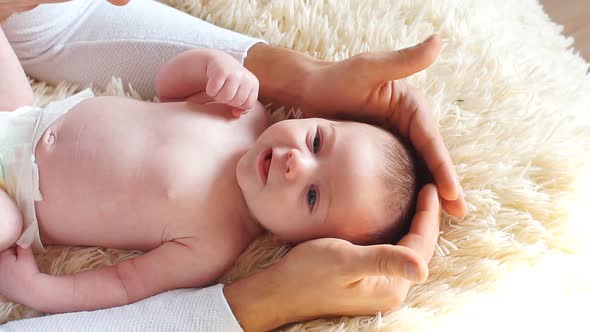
(17, 269)
(231, 83)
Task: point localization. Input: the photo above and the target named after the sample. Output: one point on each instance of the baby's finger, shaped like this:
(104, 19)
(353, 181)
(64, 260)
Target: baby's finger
(229, 90)
(8, 252)
(199, 98)
(214, 85)
(24, 253)
(241, 96)
(237, 112)
(8, 256)
(252, 98)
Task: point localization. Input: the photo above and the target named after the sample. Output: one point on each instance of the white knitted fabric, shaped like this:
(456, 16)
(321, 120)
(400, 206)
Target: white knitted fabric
(183, 310)
(86, 41)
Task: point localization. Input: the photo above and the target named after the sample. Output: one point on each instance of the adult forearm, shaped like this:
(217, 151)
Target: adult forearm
(257, 302)
(282, 73)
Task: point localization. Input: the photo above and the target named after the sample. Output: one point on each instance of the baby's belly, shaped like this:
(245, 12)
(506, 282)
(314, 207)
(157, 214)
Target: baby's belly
(115, 172)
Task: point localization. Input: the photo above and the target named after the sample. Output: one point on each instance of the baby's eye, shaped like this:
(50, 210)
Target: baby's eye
(317, 141)
(312, 196)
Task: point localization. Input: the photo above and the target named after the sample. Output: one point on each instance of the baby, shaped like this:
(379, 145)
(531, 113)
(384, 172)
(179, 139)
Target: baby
(182, 180)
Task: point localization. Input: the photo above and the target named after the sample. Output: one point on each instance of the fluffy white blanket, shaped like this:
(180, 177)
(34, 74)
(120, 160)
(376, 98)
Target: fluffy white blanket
(512, 101)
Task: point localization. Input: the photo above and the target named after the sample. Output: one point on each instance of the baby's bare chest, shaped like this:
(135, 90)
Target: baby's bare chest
(153, 171)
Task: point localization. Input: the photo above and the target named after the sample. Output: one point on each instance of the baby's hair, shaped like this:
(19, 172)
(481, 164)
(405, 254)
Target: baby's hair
(402, 176)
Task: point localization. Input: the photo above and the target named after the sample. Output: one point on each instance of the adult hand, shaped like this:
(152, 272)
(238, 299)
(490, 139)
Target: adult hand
(328, 277)
(364, 87)
(9, 7)
(368, 86)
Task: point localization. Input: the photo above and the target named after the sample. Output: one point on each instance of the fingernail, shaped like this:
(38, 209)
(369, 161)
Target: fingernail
(429, 38)
(411, 271)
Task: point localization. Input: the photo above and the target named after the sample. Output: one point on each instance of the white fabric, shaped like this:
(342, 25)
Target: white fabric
(179, 310)
(20, 131)
(87, 41)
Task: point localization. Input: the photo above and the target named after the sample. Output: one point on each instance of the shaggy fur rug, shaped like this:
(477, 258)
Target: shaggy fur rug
(512, 101)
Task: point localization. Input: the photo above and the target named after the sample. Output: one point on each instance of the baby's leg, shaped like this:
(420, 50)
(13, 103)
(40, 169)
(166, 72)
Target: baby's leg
(15, 90)
(10, 221)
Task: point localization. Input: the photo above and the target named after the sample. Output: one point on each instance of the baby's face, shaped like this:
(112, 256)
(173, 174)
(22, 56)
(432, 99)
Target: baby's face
(312, 178)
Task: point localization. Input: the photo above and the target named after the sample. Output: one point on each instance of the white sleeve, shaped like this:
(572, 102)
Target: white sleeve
(87, 41)
(180, 310)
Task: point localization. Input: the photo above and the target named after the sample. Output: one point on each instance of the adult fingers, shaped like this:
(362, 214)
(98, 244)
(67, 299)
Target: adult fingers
(119, 2)
(390, 261)
(457, 207)
(413, 119)
(433, 150)
(424, 229)
(388, 66)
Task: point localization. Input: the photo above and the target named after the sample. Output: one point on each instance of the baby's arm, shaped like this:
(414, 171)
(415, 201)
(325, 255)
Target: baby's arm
(203, 75)
(15, 90)
(175, 264)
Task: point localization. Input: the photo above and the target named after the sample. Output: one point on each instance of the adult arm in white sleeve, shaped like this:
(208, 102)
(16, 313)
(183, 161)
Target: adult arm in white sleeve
(180, 310)
(86, 41)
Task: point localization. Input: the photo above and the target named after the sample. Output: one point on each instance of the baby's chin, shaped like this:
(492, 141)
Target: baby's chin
(241, 171)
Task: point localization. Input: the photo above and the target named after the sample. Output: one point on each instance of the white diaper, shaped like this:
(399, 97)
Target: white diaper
(20, 131)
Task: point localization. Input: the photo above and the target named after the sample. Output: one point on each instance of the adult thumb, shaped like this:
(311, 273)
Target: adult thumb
(408, 61)
(394, 261)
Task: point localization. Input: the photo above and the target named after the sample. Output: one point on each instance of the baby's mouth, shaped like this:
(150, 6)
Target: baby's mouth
(264, 165)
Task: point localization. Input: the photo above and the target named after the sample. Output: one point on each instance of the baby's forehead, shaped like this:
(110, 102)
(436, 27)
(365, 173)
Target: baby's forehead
(356, 129)
(356, 193)
(364, 141)
(352, 216)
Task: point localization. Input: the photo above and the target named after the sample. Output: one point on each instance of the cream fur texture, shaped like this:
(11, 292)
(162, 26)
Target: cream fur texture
(511, 98)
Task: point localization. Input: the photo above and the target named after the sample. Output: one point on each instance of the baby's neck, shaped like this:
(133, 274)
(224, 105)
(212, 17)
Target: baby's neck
(244, 225)
(251, 228)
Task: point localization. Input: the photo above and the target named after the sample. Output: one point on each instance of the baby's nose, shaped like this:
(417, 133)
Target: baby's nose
(295, 166)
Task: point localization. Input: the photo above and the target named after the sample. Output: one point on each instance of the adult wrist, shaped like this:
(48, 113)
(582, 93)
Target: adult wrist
(282, 73)
(257, 302)
(4, 17)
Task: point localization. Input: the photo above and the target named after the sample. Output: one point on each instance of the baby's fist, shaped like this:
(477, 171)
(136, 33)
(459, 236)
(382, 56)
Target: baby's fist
(17, 269)
(231, 83)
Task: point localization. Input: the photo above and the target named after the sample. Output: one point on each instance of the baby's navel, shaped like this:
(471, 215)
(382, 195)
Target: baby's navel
(51, 139)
